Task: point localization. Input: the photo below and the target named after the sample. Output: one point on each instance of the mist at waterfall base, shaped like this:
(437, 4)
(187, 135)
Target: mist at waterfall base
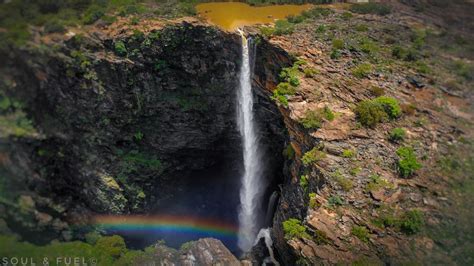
(209, 195)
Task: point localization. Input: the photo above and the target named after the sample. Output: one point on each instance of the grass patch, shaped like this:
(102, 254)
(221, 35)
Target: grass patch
(313, 119)
(363, 70)
(313, 156)
(361, 233)
(345, 183)
(376, 182)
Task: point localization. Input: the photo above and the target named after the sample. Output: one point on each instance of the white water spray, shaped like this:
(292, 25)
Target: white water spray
(252, 186)
(265, 234)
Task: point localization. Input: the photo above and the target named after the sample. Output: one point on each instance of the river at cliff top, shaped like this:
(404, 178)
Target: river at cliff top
(232, 15)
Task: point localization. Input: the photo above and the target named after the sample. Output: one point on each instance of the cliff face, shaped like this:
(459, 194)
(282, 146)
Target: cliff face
(122, 117)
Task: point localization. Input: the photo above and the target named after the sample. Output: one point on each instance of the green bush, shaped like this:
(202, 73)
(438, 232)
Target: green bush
(312, 156)
(314, 118)
(397, 134)
(290, 75)
(370, 113)
(335, 54)
(335, 201)
(283, 27)
(120, 48)
(390, 105)
(361, 232)
(363, 70)
(412, 222)
(371, 8)
(368, 46)
(407, 162)
(112, 245)
(267, 31)
(348, 153)
(294, 229)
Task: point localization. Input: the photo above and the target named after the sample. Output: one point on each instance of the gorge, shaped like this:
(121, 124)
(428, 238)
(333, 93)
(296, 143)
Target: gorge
(144, 132)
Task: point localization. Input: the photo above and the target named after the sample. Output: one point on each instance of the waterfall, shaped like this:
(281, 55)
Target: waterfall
(265, 234)
(252, 183)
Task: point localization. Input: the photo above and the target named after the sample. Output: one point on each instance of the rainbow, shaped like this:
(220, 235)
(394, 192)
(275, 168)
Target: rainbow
(165, 223)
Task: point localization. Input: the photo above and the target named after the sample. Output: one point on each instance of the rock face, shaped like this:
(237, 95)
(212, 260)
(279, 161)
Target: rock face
(121, 116)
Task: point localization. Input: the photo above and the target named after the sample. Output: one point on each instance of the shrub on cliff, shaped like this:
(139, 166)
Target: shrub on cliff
(314, 118)
(390, 105)
(313, 156)
(294, 229)
(407, 162)
(412, 222)
(120, 48)
(397, 134)
(371, 112)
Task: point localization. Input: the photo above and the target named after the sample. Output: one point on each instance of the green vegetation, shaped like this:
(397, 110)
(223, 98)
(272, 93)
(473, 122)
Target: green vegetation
(335, 201)
(313, 156)
(344, 182)
(397, 134)
(376, 182)
(371, 8)
(289, 81)
(313, 119)
(347, 15)
(108, 250)
(294, 229)
(312, 200)
(138, 136)
(304, 182)
(310, 72)
(348, 153)
(120, 48)
(412, 222)
(371, 112)
(362, 71)
(283, 27)
(338, 44)
(56, 16)
(407, 162)
(361, 233)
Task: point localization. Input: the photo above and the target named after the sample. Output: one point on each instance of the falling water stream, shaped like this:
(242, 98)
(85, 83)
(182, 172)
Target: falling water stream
(252, 187)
